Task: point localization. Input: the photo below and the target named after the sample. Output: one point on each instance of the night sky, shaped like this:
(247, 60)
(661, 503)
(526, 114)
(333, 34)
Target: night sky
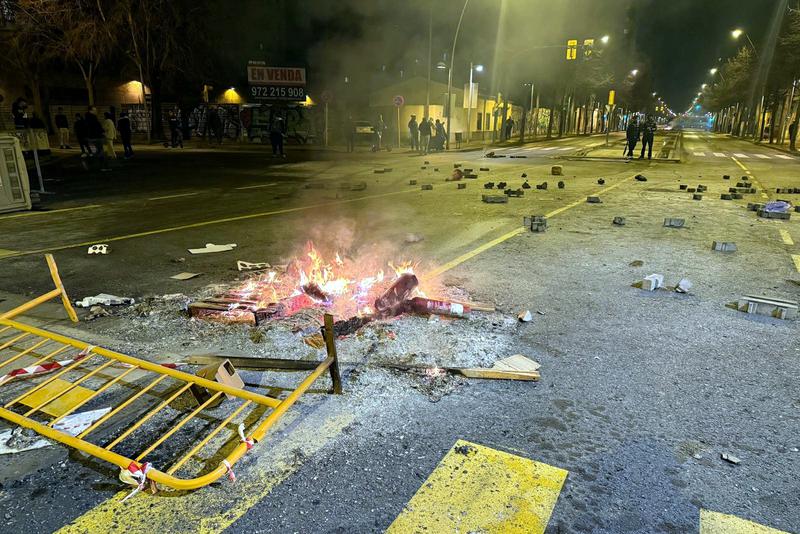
(685, 38)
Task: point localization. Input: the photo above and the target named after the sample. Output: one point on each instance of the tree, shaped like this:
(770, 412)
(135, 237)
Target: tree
(164, 37)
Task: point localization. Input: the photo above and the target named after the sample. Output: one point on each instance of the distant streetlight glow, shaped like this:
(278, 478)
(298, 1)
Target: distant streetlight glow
(634, 72)
(654, 93)
(478, 68)
(704, 86)
(441, 65)
(737, 33)
(713, 71)
(604, 39)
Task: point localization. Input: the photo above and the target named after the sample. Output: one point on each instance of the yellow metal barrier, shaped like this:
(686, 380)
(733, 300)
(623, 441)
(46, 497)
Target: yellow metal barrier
(28, 341)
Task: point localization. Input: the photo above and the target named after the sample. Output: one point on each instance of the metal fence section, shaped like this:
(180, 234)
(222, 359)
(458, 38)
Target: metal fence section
(73, 374)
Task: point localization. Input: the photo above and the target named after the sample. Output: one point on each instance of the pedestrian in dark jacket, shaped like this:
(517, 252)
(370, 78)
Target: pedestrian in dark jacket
(648, 135)
(96, 136)
(792, 135)
(424, 135)
(276, 132)
(215, 125)
(81, 133)
(125, 132)
(176, 137)
(413, 132)
(632, 135)
(62, 124)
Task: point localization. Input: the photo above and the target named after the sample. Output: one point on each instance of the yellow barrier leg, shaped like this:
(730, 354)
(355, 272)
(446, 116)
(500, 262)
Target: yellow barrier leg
(51, 263)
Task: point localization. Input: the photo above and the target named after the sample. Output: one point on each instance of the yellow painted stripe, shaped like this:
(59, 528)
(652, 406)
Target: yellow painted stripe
(717, 523)
(215, 508)
(786, 237)
(5, 252)
(205, 223)
(478, 489)
(764, 195)
(48, 212)
(505, 237)
(796, 260)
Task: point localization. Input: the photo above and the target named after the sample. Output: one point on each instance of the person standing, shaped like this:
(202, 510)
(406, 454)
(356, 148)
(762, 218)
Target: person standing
(176, 138)
(509, 128)
(110, 134)
(276, 132)
(380, 129)
(350, 133)
(125, 132)
(424, 136)
(62, 124)
(648, 135)
(95, 136)
(793, 135)
(413, 132)
(632, 135)
(81, 134)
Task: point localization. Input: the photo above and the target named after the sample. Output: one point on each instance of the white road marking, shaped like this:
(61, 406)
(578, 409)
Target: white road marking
(783, 156)
(566, 148)
(174, 196)
(699, 154)
(720, 154)
(257, 186)
(550, 148)
(742, 156)
(762, 156)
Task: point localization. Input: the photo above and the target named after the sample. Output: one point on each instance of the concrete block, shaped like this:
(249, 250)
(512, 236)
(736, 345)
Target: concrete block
(557, 170)
(797, 209)
(456, 165)
(726, 196)
(471, 176)
(737, 196)
(769, 306)
(732, 190)
(723, 246)
(484, 169)
(619, 221)
(600, 181)
(561, 185)
(594, 200)
(702, 189)
(697, 197)
(726, 176)
(691, 190)
(495, 199)
(774, 215)
(674, 222)
(412, 182)
(653, 282)
(427, 187)
(535, 223)
(514, 193)
(542, 185)
(461, 186)
(423, 167)
(682, 187)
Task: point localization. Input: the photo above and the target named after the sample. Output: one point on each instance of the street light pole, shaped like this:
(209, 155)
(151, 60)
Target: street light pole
(428, 85)
(450, 77)
(469, 106)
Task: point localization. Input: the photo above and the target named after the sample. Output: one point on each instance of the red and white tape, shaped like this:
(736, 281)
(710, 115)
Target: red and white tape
(135, 476)
(43, 368)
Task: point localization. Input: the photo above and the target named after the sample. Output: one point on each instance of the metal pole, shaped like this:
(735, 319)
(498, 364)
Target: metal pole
(469, 104)
(326, 124)
(450, 75)
(430, 41)
(398, 127)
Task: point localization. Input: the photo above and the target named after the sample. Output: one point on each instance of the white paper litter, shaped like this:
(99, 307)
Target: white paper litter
(211, 247)
(13, 440)
(105, 299)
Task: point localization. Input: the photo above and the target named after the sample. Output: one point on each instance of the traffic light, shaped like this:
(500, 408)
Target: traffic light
(588, 48)
(572, 49)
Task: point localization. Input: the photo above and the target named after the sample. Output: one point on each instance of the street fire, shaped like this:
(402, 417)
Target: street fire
(340, 285)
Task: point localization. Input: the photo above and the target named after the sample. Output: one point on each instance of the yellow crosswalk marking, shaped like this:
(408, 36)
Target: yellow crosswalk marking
(786, 237)
(215, 508)
(717, 523)
(478, 489)
(796, 260)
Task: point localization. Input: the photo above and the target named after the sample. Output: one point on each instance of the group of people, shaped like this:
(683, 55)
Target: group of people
(646, 131)
(96, 136)
(427, 135)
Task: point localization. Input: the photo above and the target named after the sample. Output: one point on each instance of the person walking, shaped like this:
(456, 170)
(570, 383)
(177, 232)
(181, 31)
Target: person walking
(95, 137)
(380, 129)
(413, 133)
(632, 136)
(440, 135)
(125, 132)
(424, 136)
(648, 135)
(276, 132)
(793, 135)
(110, 134)
(81, 134)
(62, 124)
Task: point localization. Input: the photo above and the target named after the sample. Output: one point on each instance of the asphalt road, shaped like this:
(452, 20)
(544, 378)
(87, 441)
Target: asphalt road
(640, 392)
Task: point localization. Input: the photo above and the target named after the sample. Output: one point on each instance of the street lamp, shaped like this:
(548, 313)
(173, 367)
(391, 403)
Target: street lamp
(713, 71)
(634, 72)
(604, 39)
(738, 33)
(475, 68)
(450, 75)
(704, 86)
(654, 93)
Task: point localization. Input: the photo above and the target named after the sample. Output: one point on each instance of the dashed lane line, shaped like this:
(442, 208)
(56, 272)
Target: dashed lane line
(786, 237)
(742, 156)
(258, 186)
(750, 174)
(47, 212)
(717, 523)
(179, 195)
(202, 224)
(478, 489)
(720, 154)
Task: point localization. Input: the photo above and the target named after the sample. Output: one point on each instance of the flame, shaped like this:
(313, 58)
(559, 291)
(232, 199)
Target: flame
(340, 284)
